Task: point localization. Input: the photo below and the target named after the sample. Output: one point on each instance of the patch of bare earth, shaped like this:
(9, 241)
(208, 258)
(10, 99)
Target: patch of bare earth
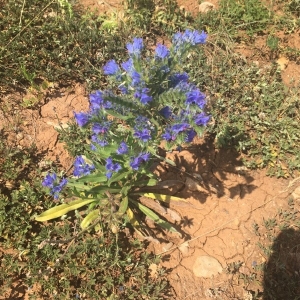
(24, 127)
(223, 202)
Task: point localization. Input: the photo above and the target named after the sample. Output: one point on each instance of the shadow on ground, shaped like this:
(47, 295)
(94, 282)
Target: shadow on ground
(282, 272)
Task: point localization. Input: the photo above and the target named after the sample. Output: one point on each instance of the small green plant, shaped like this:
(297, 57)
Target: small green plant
(252, 110)
(234, 267)
(270, 223)
(294, 7)
(162, 17)
(234, 17)
(273, 44)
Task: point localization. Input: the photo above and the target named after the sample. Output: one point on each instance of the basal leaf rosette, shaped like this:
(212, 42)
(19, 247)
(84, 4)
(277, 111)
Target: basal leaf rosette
(150, 99)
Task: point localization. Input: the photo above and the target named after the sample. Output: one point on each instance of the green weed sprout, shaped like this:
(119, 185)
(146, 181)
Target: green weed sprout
(149, 101)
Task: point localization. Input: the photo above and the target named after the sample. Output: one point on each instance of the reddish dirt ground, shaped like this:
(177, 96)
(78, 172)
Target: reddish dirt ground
(216, 221)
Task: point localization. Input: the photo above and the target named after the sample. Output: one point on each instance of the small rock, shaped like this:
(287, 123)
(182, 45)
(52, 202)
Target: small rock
(167, 247)
(282, 62)
(20, 136)
(184, 248)
(296, 193)
(206, 266)
(206, 7)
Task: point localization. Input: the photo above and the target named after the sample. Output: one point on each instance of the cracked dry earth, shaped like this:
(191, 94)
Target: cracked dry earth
(217, 222)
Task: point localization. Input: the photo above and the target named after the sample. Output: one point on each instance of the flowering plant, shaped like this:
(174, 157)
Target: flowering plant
(150, 101)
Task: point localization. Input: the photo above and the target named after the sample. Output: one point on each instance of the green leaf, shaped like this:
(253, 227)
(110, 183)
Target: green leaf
(125, 189)
(62, 209)
(114, 114)
(160, 197)
(95, 177)
(153, 216)
(149, 182)
(123, 205)
(152, 151)
(89, 218)
(78, 185)
(117, 177)
(100, 189)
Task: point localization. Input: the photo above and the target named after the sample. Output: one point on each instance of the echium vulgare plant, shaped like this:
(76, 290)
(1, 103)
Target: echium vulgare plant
(150, 100)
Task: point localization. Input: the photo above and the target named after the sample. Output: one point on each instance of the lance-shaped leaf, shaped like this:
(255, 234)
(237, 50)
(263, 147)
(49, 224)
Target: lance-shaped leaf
(160, 197)
(132, 219)
(153, 216)
(117, 177)
(62, 209)
(89, 218)
(95, 177)
(123, 205)
(152, 151)
(148, 182)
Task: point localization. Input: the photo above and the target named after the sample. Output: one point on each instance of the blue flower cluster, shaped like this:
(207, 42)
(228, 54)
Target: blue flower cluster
(142, 129)
(81, 167)
(51, 181)
(138, 160)
(183, 41)
(151, 100)
(135, 48)
(111, 167)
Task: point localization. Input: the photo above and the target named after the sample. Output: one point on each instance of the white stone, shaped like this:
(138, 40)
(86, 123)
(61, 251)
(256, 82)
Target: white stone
(206, 6)
(296, 193)
(206, 266)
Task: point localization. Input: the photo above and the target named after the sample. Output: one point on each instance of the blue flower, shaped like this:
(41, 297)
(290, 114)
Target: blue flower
(49, 180)
(127, 65)
(178, 77)
(190, 135)
(99, 141)
(137, 161)
(168, 135)
(144, 135)
(142, 95)
(81, 167)
(183, 87)
(96, 100)
(141, 121)
(145, 99)
(123, 89)
(101, 128)
(111, 68)
(56, 187)
(135, 78)
(199, 38)
(145, 156)
(183, 41)
(195, 97)
(135, 48)
(161, 51)
(177, 128)
(82, 118)
(189, 37)
(111, 167)
(166, 112)
(123, 148)
(201, 119)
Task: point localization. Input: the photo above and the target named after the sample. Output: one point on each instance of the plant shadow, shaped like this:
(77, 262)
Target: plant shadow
(204, 169)
(282, 271)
